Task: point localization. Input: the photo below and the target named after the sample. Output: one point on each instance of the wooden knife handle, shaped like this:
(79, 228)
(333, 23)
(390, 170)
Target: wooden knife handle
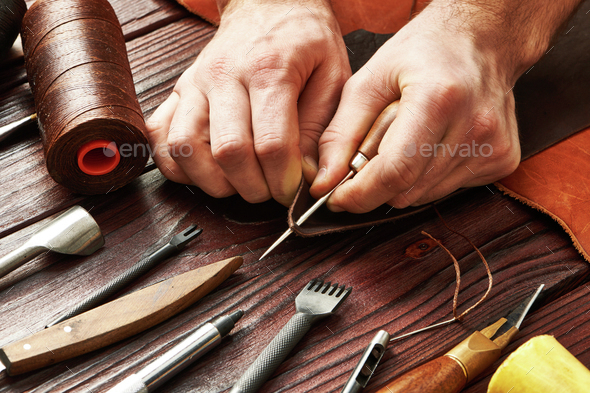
(441, 375)
(115, 320)
(370, 145)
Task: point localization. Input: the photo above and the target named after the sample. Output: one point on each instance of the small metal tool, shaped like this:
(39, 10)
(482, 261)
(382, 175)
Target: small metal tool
(315, 301)
(368, 149)
(74, 232)
(450, 372)
(367, 364)
(173, 247)
(9, 129)
(179, 357)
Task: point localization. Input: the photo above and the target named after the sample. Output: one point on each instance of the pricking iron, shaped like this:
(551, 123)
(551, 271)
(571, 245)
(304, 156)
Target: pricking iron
(367, 364)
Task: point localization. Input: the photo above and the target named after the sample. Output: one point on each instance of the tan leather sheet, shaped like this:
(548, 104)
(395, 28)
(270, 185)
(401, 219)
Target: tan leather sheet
(556, 181)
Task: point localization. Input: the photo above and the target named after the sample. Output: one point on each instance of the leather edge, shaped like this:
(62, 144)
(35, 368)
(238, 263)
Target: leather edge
(542, 209)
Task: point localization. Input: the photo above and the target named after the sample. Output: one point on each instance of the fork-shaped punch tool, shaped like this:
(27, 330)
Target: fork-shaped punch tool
(315, 301)
(174, 246)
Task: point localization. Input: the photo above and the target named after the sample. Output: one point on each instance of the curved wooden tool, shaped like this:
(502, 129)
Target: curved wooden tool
(115, 320)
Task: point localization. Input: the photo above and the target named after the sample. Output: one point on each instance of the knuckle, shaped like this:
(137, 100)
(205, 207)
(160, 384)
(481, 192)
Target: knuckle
(268, 69)
(221, 192)
(271, 147)
(229, 150)
(485, 125)
(257, 197)
(177, 140)
(400, 174)
(370, 88)
(216, 69)
(441, 99)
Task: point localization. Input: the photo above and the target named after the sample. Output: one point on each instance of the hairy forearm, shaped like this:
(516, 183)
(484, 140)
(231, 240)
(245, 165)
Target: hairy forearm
(517, 31)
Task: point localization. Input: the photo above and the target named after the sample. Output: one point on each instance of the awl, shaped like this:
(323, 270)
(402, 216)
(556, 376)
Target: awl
(368, 149)
(452, 371)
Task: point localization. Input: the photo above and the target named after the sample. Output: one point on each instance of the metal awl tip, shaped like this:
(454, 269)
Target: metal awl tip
(276, 243)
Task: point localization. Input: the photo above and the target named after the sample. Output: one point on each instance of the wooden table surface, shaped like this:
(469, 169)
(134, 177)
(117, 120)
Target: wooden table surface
(394, 289)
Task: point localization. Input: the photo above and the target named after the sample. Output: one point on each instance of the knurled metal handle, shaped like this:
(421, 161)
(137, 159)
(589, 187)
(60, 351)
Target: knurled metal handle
(274, 354)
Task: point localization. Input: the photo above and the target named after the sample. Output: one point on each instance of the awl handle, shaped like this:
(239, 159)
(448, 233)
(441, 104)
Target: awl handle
(370, 146)
(441, 375)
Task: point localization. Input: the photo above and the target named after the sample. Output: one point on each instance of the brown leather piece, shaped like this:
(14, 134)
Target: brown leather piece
(555, 182)
(324, 221)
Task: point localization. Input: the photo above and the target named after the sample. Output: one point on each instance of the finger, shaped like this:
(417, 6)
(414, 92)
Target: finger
(188, 144)
(398, 164)
(459, 177)
(157, 128)
(317, 105)
(276, 136)
(232, 143)
(443, 158)
(358, 109)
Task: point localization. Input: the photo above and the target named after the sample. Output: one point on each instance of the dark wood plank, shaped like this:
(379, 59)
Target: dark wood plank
(391, 291)
(28, 193)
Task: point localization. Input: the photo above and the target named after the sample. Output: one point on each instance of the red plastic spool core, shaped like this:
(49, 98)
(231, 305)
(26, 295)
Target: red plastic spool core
(98, 157)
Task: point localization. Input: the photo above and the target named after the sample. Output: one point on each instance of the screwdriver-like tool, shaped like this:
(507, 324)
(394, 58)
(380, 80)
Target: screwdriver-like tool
(451, 372)
(368, 149)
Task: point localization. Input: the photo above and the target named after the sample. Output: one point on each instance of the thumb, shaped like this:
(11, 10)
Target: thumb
(364, 97)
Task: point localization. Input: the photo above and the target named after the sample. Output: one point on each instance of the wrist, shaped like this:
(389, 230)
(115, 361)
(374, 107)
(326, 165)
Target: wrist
(231, 6)
(513, 34)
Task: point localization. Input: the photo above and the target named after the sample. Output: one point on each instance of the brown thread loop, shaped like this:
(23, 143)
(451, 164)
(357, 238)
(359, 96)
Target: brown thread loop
(457, 282)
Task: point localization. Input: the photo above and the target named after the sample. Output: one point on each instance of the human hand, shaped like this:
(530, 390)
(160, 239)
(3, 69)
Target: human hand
(455, 127)
(253, 105)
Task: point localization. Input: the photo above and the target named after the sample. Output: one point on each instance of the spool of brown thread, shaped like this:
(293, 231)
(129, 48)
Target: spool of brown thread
(11, 16)
(91, 124)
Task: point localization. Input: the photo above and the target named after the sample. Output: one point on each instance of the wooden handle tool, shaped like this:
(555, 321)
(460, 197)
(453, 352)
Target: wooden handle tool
(450, 372)
(115, 320)
(368, 149)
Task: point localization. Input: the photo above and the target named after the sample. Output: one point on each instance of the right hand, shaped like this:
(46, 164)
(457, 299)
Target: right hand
(253, 105)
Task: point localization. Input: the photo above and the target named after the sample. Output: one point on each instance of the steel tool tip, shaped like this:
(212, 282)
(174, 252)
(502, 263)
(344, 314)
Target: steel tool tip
(236, 315)
(517, 316)
(275, 244)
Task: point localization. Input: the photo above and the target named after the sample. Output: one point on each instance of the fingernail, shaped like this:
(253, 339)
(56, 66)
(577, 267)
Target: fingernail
(321, 173)
(311, 162)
